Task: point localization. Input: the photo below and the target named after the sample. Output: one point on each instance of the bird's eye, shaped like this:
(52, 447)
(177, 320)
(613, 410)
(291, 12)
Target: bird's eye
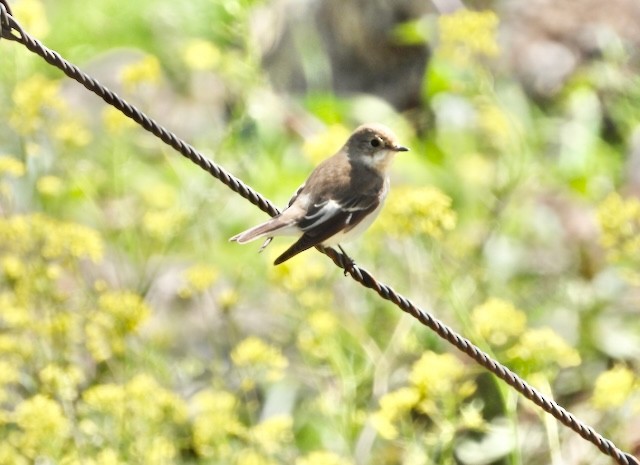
(375, 142)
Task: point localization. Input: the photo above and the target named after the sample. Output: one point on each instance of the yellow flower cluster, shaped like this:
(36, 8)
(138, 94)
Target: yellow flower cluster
(147, 70)
(115, 122)
(46, 335)
(535, 350)
(438, 386)
(322, 458)
(198, 278)
(159, 196)
(466, 35)
(259, 361)
(498, 321)
(33, 100)
(614, 387)
(162, 225)
(50, 186)
(620, 224)
(49, 238)
(32, 17)
(118, 314)
(42, 426)
(269, 434)
(11, 166)
(216, 422)
(199, 54)
(297, 274)
(315, 337)
(417, 211)
(61, 382)
(141, 412)
(37, 105)
(217, 427)
(9, 374)
(555, 350)
(498, 126)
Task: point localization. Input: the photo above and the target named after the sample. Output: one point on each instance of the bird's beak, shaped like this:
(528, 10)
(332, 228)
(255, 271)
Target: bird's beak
(400, 148)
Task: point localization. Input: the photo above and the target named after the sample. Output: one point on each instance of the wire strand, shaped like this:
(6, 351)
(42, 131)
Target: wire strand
(9, 26)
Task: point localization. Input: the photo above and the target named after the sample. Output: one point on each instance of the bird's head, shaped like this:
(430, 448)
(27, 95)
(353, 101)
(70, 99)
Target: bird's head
(374, 145)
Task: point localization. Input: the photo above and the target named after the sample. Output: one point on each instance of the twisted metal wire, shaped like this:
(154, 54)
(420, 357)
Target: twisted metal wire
(8, 26)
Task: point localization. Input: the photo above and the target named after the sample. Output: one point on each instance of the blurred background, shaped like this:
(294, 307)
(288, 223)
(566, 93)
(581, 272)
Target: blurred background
(132, 331)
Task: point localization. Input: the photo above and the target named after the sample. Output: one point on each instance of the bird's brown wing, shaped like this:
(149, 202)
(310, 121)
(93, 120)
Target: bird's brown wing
(326, 219)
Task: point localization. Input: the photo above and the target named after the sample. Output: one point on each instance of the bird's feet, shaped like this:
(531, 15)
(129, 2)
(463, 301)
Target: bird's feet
(349, 264)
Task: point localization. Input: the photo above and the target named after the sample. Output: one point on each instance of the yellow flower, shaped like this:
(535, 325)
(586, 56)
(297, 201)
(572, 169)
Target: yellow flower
(475, 169)
(392, 406)
(11, 166)
(317, 147)
(161, 450)
(10, 455)
(437, 383)
(115, 121)
(162, 224)
(112, 413)
(323, 322)
(73, 239)
(44, 426)
(162, 407)
(399, 402)
(199, 278)
(33, 99)
(466, 34)
(18, 346)
(322, 457)
(496, 124)
(50, 185)
(106, 398)
(227, 299)
(614, 387)
(252, 457)
(9, 374)
(439, 375)
(315, 338)
(200, 54)
(556, 352)
(50, 238)
(471, 418)
(498, 321)
(159, 196)
(119, 313)
(61, 381)
(32, 17)
(13, 267)
(72, 132)
(620, 223)
(258, 356)
(145, 71)
(418, 211)
(272, 434)
(215, 422)
(296, 275)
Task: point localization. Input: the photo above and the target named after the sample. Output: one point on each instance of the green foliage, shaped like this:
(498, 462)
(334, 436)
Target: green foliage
(131, 331)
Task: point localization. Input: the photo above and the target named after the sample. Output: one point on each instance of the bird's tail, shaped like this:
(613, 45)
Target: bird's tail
(275, 226)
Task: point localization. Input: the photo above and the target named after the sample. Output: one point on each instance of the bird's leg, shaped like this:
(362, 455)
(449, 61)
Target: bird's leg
(266, 243)
(349, 263)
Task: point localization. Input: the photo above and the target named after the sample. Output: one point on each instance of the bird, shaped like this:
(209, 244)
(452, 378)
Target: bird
(339, 200)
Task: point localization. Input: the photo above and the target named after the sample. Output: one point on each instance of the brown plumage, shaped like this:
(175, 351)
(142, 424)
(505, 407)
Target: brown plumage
(341, 197)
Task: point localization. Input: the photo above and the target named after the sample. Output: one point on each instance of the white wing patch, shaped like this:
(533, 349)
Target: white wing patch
(326, 211)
